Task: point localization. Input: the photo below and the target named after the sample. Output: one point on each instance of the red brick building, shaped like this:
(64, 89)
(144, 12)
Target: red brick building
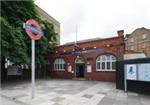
(90, 59)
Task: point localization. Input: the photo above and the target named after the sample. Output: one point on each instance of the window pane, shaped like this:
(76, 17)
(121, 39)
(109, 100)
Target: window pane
(98, 59)
(113, 65)
(103, 58)
(58, 66)
(106, 62)
(61, 66)
(98, 65)
(108, 65)
(59, 61)
(108, 58)
(103, 65)
(55, 66)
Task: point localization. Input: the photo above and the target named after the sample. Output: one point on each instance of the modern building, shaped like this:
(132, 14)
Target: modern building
(50, 19)
(92, 59)
(139, 41)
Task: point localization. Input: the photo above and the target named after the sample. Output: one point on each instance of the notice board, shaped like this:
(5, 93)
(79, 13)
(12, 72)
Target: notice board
(144, 72)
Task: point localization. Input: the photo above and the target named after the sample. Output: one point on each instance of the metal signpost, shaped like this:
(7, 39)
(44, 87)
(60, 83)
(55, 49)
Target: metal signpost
(33, 68)
(34, 31)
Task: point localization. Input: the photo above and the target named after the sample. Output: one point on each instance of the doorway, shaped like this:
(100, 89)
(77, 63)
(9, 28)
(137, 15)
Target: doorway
(80, 70)
(79, 67)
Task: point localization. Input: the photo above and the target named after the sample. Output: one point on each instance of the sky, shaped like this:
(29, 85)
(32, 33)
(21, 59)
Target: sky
(96, 18)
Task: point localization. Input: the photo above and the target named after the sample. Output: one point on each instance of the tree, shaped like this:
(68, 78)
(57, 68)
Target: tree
(16, 45)
(12, 43)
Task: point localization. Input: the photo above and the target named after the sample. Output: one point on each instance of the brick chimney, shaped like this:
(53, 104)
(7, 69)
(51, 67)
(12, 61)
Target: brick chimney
(120, 33)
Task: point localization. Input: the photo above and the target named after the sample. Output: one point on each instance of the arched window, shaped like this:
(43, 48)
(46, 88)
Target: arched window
(59, 64)
(106, 63)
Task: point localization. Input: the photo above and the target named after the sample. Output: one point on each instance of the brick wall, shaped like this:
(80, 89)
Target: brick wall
(113, 46)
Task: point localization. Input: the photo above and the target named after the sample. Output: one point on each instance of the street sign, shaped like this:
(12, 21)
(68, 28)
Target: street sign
(33, 29)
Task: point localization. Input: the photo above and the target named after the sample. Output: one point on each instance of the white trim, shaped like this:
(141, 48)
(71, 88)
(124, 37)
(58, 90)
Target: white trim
(105, 70)
(59, 69)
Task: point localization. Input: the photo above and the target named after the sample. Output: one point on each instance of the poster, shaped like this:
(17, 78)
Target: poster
(131, 72)
(89, 68)
(144, 72)
(14, 70)
(69, 68)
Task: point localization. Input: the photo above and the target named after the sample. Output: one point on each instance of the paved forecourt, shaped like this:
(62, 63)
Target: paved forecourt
(69, 92)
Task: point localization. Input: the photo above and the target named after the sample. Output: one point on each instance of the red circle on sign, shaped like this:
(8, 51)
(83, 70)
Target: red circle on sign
(29, 31)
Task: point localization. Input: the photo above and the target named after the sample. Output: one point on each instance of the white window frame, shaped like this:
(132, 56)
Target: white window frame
(111, 60)
(58, 63)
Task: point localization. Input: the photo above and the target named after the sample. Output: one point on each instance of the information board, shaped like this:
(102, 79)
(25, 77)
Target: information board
(131, 72)
(89, 68)
(69, 68)
(14, 70)
(144, 72)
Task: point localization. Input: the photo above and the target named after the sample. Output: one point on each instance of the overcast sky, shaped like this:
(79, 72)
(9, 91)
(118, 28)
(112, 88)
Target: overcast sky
(97, 18)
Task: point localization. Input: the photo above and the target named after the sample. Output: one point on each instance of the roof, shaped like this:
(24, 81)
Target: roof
(142, 28)
(88, 41)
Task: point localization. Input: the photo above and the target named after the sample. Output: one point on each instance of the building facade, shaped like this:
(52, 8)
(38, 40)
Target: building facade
(139, 41)
(90, 59)
(50, 19)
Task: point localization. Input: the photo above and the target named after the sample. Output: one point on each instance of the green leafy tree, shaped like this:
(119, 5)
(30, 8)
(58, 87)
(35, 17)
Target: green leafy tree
(15, 43)
(12, 43)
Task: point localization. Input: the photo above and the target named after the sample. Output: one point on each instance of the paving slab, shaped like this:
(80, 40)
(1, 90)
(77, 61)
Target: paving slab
(69, 92)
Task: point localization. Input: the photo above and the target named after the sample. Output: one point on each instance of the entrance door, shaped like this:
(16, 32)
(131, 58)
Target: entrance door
(79, 67)
(80, 70)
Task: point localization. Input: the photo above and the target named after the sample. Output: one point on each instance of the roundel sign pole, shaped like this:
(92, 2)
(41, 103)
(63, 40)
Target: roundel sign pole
(34, 31)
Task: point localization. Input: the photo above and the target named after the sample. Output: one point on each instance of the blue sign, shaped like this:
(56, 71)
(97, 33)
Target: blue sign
(90, 51)
(35, 30)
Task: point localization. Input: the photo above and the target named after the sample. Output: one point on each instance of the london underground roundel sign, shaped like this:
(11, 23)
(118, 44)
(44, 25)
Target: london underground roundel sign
(33, 29)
